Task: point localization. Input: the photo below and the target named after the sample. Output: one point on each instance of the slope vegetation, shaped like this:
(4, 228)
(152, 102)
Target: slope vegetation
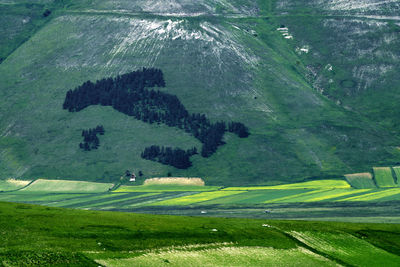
(221, 58)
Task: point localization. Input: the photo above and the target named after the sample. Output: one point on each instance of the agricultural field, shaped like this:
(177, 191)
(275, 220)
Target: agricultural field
(54, 236)
(348, 248)
(48, 199)
(44, 185)
(302, 201)
(394, 193)
(383, 177)
(345, 211)
(254, 197)
(82, 201)
(361, 180)
(397, 173)
(224, 256)
(89, 195)
(174, 181)
(12, 184)
(197, 198)
(164, 188)
(313, 196)
(317, 184)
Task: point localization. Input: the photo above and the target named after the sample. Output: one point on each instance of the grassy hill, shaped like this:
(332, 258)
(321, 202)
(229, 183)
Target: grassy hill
(221, 58)
(34, 235)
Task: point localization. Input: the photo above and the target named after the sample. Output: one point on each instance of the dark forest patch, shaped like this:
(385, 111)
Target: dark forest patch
(129, 94)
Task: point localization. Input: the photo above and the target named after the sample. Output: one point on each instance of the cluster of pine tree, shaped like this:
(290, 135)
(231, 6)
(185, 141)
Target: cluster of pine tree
(122, 92)
(176, 157)
(238, 128)
(128, 94)
(90, 139)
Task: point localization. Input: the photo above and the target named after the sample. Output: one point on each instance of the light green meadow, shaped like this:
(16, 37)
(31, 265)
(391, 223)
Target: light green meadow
(225, 256)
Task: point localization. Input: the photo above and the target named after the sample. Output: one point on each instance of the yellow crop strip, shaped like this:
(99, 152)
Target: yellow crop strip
(200, 197)
(283, 199)
(374, 195)
(318, 184)
(347, 192)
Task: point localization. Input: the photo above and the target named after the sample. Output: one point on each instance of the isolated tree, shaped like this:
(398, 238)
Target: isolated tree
(90, 138)
(46, 13)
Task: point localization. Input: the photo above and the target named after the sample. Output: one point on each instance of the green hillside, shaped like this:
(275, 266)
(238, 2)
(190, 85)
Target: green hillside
(225, 59)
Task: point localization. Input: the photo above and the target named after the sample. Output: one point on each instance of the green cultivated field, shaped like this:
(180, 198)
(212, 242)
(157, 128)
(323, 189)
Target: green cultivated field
(335, 194)
(197, 198)
(225, 256)
(41, 197)
(66, 186)
(397, 173)
(52, 236)
(164, 188)
(318, 184)
(376, 196)
(383, 177)
(11, 184)
(89, 195)
(336, 202)
(254, 197)
(347, 247)
(361, 180)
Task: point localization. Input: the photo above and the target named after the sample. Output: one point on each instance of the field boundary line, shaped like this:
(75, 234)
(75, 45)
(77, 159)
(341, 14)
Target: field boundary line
(18, 189)
(316, 251)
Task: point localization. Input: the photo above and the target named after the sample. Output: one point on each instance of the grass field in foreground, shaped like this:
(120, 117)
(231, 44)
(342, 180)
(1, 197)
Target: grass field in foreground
(43, 185)
(54, 236)
(348, 248)
(383, 177)
(225, 256)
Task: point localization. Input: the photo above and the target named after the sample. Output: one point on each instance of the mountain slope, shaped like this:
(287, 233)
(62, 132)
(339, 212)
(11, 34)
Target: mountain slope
(221, 58)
